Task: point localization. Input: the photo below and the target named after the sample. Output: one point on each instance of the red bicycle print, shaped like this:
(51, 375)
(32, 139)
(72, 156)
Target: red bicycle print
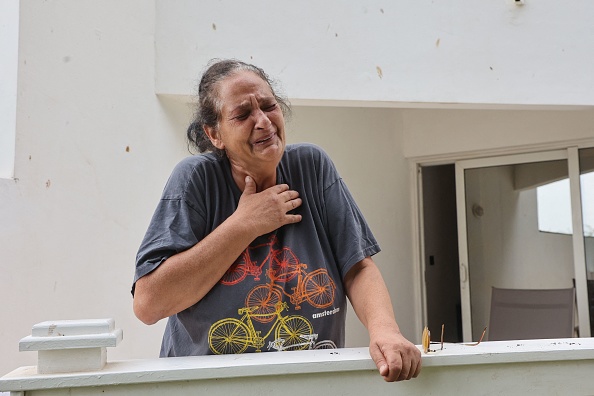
(244, 265)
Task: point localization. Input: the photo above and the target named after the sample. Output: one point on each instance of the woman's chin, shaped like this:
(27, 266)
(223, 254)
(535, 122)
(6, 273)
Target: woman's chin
(272, 150)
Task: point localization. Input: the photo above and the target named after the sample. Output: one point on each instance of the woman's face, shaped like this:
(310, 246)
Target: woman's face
(252, 127)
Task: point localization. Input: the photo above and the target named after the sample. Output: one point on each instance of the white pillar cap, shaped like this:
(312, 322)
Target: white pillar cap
(71, 345)
(73, 327)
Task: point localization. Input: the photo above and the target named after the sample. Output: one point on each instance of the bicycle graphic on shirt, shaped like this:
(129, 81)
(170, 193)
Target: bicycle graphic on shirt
(230, 335)
(277, 258)
(278, 344)
(316, 287)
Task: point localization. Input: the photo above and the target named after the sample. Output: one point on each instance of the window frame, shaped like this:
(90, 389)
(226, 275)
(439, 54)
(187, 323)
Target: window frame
(570, 150)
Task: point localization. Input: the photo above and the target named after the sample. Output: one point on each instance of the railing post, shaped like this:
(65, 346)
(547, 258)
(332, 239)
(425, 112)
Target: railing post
(71, 345)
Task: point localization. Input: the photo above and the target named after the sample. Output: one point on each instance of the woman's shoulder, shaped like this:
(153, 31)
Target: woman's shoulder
(190, 168)
(307, 151)
(311, 159)
(193, 163)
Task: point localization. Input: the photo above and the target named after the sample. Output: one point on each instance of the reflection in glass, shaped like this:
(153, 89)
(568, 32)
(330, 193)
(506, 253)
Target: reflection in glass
(505, 247)
(554, 207)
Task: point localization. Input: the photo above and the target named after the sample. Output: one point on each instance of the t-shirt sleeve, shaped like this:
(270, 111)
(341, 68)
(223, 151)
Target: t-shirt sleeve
(176, 226)
(349, 234)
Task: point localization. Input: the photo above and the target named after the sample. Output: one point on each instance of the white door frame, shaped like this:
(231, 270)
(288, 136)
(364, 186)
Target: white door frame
(579, 249)
(554, 153)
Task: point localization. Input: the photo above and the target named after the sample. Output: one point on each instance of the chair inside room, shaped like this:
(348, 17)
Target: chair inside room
(522, 314)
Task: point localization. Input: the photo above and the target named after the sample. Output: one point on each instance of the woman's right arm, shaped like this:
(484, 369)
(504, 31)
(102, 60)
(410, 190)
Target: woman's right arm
(185, 278)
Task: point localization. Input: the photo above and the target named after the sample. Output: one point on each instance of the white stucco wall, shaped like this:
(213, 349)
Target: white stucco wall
(94, 147)
(365, 145)
(443, 132)
(94, 144)
(9, 48)
(382, 53)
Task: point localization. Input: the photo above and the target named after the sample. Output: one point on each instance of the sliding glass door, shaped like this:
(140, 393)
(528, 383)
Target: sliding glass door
(516, 216)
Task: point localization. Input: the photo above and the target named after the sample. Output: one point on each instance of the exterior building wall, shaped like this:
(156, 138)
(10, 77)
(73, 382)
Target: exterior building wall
(389, 53)
(102, 107)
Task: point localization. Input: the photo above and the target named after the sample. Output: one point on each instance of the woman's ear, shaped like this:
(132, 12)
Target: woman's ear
(213, 135)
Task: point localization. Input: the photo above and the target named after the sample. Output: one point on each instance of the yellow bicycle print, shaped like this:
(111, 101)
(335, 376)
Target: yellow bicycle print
(230, 335)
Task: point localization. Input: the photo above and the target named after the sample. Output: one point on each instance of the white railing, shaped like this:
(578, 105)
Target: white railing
(539, 367)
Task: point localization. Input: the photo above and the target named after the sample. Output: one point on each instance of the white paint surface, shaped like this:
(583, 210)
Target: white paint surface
(71, 360)
(388, 53)
(514, 367)
(95, 145)
(60, 328)
(9, 44)
(71, 345)
(32, 343)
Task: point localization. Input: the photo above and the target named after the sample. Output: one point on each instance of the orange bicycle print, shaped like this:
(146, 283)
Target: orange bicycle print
(244, 265)
(316, 287)
(230, 335)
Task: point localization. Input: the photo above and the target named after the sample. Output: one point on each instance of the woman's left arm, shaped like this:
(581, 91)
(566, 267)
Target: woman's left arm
(395, 357)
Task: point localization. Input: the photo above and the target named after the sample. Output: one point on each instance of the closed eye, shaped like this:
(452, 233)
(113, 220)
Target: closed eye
(266, 108)
(270, 107)
(242, 116)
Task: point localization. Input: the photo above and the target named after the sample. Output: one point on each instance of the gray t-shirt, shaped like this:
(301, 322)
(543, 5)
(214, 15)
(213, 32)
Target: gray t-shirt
(285, 291)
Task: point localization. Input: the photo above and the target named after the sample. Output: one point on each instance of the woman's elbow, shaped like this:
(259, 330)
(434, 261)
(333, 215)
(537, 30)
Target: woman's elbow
(143, 308)
(143, 313)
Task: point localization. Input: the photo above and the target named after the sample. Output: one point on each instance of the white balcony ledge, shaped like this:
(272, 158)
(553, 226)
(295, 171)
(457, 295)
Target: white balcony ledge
(562, 366)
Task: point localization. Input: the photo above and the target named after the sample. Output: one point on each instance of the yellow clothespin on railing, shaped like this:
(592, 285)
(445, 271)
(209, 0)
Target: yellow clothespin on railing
(426, 339)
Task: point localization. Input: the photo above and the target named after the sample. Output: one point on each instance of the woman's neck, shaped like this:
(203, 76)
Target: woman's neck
(262, 180)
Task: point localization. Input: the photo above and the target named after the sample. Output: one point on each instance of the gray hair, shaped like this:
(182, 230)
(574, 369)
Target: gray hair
(209, 106)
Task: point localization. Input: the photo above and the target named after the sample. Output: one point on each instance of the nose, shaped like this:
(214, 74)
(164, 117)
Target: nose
(262, 120)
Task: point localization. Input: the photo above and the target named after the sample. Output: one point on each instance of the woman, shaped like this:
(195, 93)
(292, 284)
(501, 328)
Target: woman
(259, 238)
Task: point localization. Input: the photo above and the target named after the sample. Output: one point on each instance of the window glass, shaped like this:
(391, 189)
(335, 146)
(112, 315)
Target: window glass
(554, 207)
